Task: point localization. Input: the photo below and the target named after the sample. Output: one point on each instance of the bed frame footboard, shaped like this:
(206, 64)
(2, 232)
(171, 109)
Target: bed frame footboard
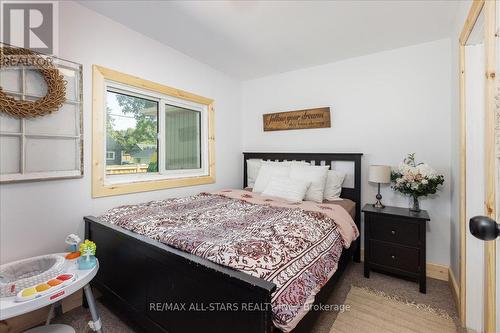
(167, 290)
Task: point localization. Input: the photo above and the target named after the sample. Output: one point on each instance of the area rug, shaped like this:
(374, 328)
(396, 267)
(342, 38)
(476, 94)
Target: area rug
(372, 311)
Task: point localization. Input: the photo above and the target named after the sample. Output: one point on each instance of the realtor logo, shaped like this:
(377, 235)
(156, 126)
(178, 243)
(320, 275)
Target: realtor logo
(30, 25)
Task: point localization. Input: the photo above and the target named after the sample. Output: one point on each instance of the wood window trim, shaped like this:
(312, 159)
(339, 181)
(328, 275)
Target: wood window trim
(99, 189)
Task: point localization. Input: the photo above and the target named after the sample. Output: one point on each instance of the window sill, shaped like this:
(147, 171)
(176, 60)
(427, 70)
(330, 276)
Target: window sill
(148, 177)
(104, 190)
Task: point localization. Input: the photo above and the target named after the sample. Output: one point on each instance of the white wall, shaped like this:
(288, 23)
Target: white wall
(384, 105)
(36, 217)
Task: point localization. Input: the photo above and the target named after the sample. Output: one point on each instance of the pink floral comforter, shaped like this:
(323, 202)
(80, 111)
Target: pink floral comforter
(296, 246)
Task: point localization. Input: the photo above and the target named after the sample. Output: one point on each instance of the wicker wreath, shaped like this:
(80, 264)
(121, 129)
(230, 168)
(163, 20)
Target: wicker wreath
(56, 85)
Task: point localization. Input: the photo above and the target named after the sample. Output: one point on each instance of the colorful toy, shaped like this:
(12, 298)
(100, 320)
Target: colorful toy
(87, 250)
(54, 282)
(44, 288)
(72, 240)
(72, 255)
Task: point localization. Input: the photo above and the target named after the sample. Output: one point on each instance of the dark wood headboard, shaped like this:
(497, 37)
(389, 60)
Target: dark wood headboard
(353, 193)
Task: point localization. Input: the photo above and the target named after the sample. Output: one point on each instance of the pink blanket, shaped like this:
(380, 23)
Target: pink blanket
(294, 245)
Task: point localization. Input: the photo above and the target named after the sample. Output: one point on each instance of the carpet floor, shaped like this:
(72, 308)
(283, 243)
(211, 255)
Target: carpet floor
(438, 297)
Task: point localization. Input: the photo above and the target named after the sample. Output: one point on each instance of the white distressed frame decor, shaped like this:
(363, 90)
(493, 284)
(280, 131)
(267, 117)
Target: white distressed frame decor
(47, 147)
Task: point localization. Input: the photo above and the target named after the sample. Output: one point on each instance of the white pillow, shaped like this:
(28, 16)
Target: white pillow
(268, 171)
(286, 188)
(253, 166)
(333, 186)
(316, 175)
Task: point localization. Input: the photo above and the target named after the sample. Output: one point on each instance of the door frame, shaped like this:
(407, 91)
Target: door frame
(488, 7)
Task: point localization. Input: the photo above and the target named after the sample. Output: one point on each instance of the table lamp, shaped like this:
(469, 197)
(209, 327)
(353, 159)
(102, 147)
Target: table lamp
(380, 174)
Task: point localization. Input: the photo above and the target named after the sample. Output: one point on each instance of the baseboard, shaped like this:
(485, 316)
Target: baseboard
(434, 271)
(455, 291)
(34, 318)
(437, 271)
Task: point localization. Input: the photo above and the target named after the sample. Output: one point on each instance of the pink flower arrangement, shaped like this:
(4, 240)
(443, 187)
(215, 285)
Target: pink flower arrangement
(415, 180)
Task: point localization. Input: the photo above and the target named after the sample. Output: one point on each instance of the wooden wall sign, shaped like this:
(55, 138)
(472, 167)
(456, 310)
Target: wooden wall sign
(301, 119)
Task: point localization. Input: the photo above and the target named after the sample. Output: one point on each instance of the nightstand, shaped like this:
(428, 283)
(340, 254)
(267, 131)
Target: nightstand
(395, 242)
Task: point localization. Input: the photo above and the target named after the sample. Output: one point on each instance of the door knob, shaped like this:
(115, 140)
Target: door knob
(484, 228)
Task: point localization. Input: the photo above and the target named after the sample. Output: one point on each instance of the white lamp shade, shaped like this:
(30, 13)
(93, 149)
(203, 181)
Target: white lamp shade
(379, 174)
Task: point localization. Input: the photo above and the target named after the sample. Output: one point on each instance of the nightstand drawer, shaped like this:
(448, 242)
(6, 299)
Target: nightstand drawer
(390, 229)
(395, 256)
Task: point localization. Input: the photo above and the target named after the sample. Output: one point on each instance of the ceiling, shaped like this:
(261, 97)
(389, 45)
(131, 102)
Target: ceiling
(250, 39)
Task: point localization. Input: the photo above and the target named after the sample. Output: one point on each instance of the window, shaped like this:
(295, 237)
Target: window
(182, 138)
(132, 130)
(110, 155)
(152, 136)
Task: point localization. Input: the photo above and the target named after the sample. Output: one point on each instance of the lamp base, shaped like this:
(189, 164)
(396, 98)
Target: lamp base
(378, 204)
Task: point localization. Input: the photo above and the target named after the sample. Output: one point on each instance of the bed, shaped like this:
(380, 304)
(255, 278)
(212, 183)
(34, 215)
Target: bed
(150, 282)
